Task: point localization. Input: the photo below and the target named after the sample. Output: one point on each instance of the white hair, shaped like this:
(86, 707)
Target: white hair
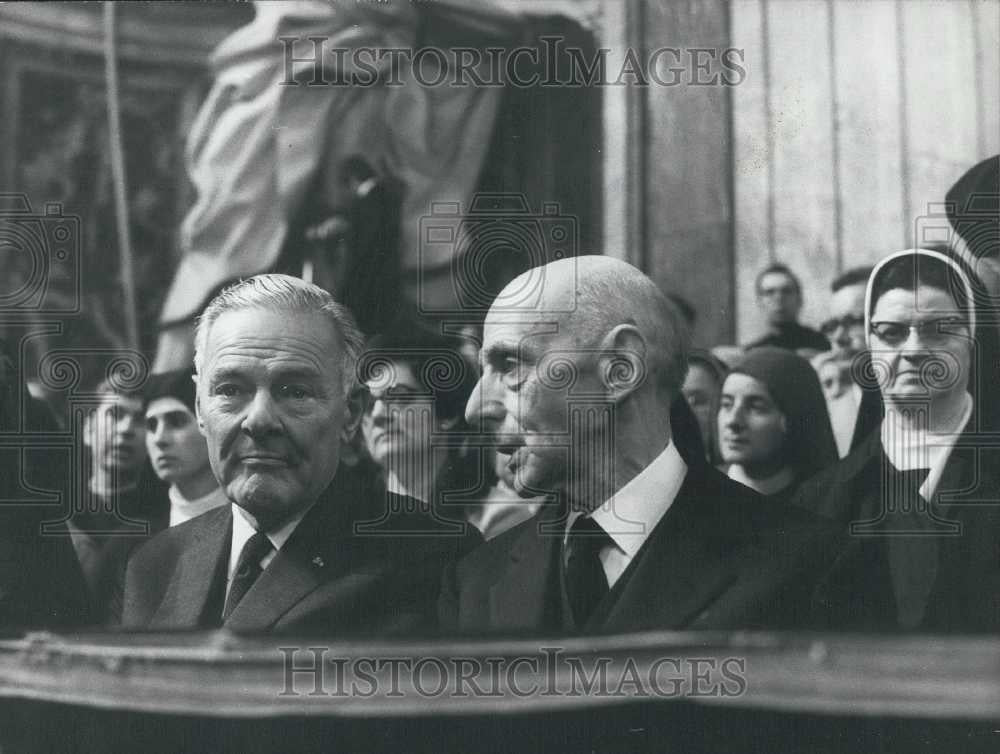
(283, 293)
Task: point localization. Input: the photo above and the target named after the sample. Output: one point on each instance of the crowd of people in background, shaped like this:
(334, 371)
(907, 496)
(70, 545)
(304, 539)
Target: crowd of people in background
(570, 465)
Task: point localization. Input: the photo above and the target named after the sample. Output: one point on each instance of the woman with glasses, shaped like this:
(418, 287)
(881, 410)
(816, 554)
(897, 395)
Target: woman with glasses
(920, 498)
(418, 384)
(414, 431)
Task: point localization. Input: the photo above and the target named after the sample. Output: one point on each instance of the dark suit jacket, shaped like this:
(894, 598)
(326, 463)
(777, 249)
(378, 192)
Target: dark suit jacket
(325, 579)
(41, 584)
(793, 336)
(720, 558)
(856, 592)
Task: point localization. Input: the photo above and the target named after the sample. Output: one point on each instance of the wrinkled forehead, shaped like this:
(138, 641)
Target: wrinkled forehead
(514, 330)
(277, 336)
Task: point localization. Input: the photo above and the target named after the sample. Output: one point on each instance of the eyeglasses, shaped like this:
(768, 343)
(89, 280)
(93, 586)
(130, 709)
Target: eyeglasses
(933, 332)
(848, 321)
(783, 291)
(395, 395)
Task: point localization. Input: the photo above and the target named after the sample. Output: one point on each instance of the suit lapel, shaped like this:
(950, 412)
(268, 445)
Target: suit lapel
(526, 594)
(681, 568)
(283, 584)
(189, 590)
(318, 550)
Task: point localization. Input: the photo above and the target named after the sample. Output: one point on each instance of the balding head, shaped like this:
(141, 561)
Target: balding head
(592, 295)
(581, 359)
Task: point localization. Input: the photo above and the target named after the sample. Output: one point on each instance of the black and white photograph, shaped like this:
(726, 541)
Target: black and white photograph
(500, 376)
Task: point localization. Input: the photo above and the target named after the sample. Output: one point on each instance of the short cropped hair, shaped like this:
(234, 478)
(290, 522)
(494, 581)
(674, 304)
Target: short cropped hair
(853, 276)
(778, 267)
(619, 296)
(283, 293)
(173, 384)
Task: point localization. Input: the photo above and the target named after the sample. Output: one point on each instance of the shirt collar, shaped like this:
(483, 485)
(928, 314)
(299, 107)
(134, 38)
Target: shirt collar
(632, 513)
(182, 509)
(243, 529)
(915, 449)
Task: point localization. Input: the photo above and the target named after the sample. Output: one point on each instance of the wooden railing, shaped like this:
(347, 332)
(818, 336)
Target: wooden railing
(219, 674)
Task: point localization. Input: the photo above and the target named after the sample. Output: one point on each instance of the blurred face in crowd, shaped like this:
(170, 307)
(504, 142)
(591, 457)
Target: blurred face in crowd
(831, 379)
(176, 448)
(779, 298)
(845, 327)
(920, 341)
(701, 389)
(398, 419)
(115, 434)
(523, 398)
(752, 429)
(273, 407)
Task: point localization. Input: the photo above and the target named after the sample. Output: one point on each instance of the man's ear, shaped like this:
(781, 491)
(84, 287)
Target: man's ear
(355, 405)
(621, 362)
(197, 404)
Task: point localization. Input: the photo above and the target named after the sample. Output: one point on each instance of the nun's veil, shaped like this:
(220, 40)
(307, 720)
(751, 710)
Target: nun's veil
(983, 314)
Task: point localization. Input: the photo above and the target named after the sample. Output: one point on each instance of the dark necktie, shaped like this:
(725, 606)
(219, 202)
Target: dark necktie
(907, 490)
(247, 570)
(913, 557)
(586, 583)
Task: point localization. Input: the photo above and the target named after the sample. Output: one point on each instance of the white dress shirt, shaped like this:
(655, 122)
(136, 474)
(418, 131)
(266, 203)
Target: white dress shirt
(632, 513)
(843, 412)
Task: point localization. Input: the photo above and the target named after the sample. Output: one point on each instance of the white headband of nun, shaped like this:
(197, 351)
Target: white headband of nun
(962, 274)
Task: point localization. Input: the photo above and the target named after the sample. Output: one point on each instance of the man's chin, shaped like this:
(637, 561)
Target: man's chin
(528, 484)
(267, 502)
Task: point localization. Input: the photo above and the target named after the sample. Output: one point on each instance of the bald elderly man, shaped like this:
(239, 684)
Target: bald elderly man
(577, 386)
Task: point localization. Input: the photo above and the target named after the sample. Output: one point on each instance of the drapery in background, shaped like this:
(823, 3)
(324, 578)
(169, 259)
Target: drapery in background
(257, 147)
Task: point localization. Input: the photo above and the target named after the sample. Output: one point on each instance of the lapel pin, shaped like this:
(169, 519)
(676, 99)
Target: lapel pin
(318, 562)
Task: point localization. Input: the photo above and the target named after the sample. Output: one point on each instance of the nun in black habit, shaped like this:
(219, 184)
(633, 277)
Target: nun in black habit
(919, 499)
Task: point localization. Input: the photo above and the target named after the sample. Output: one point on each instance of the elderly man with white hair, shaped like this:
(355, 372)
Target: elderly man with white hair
(581, 361)
(277, 394)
